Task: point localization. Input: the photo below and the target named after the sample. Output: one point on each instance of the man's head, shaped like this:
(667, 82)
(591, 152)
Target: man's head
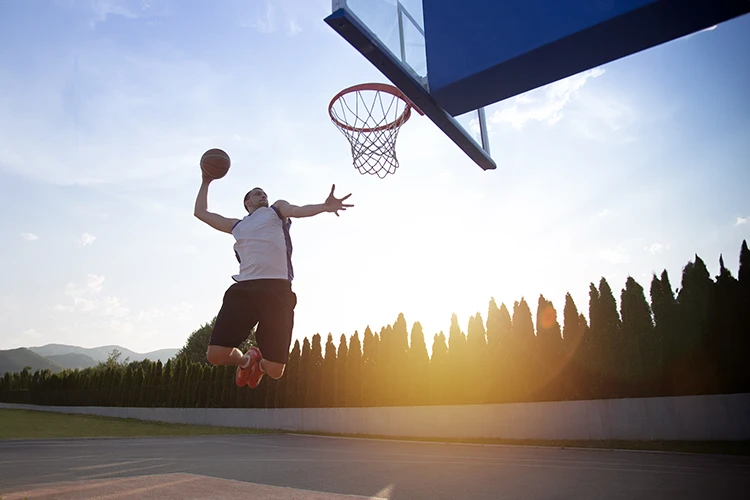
(255, 198)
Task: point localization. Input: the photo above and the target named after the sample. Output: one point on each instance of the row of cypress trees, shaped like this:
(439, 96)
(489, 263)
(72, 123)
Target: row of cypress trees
(692, 340)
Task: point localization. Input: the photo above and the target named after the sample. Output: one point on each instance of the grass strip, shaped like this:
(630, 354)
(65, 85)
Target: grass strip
(709, 447)
(30, 424)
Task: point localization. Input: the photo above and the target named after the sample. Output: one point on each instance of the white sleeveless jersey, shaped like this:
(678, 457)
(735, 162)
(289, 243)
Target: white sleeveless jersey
(263, 246)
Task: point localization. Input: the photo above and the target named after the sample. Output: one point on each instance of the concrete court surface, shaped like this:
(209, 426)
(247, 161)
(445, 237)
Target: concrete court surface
(291, 467)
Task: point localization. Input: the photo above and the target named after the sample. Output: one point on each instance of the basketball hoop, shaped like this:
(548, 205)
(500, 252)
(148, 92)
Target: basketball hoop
(370, 116)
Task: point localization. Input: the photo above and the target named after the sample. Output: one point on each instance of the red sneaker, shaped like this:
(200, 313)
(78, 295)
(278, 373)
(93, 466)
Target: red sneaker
(254, 376)
(242, 375)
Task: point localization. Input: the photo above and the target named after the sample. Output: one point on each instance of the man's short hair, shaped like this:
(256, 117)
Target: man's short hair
(247, 195)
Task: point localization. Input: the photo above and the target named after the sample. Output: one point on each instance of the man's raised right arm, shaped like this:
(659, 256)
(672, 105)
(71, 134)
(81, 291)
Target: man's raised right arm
(201, 211)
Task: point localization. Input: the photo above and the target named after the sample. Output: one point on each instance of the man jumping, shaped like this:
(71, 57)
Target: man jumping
(262, 294)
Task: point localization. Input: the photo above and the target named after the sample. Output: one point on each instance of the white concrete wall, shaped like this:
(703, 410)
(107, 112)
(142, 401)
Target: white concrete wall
(689, 418)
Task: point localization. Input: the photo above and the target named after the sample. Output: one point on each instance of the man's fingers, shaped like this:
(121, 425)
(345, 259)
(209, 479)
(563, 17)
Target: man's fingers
(345, 197)
(333, 186)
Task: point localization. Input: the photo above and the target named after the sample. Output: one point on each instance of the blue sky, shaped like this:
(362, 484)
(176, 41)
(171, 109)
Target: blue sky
(106, 107)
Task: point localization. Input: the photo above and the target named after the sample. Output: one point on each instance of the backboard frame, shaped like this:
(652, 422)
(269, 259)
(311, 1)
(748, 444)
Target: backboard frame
(354, 31)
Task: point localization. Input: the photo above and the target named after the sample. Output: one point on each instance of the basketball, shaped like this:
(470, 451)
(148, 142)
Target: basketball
(215, 163)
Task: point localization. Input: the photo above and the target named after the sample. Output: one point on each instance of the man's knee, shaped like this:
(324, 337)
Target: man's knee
(217, 355)
(273, 370)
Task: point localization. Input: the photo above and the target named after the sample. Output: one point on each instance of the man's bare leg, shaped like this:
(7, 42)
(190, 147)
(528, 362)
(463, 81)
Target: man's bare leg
(218, 355)
(273, 370)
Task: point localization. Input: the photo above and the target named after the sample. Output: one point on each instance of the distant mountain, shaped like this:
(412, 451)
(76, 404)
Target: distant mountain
(161, 354)
(73, 360)
(14, 360)
(100, 354)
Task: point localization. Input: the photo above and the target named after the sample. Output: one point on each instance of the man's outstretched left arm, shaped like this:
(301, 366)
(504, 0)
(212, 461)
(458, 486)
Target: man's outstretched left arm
(332, 204)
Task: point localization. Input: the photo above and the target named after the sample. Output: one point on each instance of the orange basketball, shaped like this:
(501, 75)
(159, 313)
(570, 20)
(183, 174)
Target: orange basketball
(215, 163)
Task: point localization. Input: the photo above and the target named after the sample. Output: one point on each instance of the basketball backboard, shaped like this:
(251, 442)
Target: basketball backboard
(454, 58)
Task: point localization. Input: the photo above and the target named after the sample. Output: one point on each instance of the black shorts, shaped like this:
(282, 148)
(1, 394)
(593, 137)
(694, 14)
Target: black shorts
(268, 303)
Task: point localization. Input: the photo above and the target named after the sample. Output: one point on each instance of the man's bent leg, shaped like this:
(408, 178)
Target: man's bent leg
(218, 355)
(273, 370)
(274, 332)
(236, 318)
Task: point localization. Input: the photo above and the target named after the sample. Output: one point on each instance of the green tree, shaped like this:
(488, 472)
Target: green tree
(594, 352)
(611, 363)
(114, 360)
(574, 328)
(419, 365)
(695, 373)
(458, 359)
(315, 373)
(155, 384)
(724, 326)
(354, 365)
(385, 392)
(477, 363)
(550, 349)
(203, 387)
(328, 386)
(522, 352)
(743, 275)
(499, 341)
(305, 377)
(370, 358)
(166, 383)
(639, 348)
(666, 328)
(127, 388)
(291, 381)
(441, 371)
(342, 362)
(741, 338)
(137, 390)
(179, 380)
(399, 357)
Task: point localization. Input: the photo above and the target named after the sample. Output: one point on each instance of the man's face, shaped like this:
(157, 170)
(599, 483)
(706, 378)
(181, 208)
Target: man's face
(257, 198)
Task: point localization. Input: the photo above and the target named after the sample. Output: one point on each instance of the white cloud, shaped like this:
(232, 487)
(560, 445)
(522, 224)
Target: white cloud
(614, 256)
(151, 313)
(99, 11)
(742, 220)
(604, 118)
(29, 236)
(86, 299)
(269, 16)
(292, 27)
(656, 248)
(106, 8)
(119, 327)
(264, 19)
(182, 310)
(112, 306)
(87, 239)
(94, 283)
(545, 104)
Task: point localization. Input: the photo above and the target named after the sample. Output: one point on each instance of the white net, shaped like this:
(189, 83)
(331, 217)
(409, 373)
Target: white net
(371, 119)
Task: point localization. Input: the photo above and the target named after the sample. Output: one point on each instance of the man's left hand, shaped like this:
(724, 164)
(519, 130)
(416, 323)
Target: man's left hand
(334, 204)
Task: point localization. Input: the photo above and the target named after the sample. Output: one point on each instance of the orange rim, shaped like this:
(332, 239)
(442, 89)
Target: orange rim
(377, 87)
